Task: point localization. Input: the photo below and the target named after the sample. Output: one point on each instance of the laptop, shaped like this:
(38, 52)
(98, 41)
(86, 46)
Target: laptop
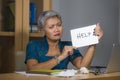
(113, 63)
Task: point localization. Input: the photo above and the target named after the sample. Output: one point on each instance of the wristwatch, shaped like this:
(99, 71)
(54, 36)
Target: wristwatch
(58, 61)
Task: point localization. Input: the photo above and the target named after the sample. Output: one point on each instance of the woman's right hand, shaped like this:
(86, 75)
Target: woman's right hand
(67, 50)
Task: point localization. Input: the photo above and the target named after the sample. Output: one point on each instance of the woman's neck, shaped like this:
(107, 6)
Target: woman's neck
(52, 43)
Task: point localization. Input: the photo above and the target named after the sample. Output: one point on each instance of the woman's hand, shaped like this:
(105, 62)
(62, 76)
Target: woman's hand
(98, 31)
(68, 50)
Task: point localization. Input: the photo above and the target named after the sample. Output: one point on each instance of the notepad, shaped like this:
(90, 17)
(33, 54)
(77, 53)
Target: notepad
(44, 71)
(84, 36)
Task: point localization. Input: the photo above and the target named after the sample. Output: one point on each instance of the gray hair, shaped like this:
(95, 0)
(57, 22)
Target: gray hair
(45, 16)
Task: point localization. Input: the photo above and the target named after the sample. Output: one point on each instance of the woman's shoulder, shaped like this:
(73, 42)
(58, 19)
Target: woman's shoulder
(35, 42)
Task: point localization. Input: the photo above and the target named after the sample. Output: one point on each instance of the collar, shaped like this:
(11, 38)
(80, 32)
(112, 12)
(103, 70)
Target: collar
(46, 46)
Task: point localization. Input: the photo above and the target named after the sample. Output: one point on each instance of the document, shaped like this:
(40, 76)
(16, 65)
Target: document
(83, 36)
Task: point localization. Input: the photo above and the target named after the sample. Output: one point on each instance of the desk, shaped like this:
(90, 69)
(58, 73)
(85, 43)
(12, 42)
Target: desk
(15, 76)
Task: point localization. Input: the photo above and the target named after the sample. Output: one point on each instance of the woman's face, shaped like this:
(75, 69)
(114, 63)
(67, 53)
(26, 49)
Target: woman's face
(53, 28)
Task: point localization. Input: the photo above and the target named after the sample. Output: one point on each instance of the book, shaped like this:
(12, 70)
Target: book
(33, 13)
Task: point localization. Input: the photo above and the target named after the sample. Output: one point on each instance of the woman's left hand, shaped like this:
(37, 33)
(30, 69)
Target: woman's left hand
(98, 31)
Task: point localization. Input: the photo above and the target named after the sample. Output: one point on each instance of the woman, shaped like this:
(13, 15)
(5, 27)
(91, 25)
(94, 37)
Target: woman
(52, 53)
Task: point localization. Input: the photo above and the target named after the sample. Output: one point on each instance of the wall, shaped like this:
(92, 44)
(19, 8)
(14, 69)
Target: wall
(0, 15)
(119, 21)
(79, 13)
(0, 30)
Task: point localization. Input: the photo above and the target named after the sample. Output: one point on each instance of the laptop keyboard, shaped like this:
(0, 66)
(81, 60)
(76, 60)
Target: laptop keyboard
(97, 69)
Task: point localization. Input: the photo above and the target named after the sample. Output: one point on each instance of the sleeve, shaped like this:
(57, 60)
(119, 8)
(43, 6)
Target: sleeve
(31, 52)
(76, 53)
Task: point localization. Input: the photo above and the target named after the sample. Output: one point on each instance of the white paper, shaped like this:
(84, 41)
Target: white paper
(66, 73)
(29, 74)
(84, 36)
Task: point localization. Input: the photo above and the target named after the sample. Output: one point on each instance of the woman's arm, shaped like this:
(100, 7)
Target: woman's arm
(86, 60)
(88, 56)
(33, 64)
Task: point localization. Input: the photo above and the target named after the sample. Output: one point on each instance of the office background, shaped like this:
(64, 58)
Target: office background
(80, 13)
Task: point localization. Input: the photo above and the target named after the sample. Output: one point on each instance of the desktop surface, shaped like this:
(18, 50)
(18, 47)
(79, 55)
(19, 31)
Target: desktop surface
(90, 76)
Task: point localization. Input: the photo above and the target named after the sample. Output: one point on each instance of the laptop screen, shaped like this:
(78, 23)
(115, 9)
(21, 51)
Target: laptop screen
(114, 64)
